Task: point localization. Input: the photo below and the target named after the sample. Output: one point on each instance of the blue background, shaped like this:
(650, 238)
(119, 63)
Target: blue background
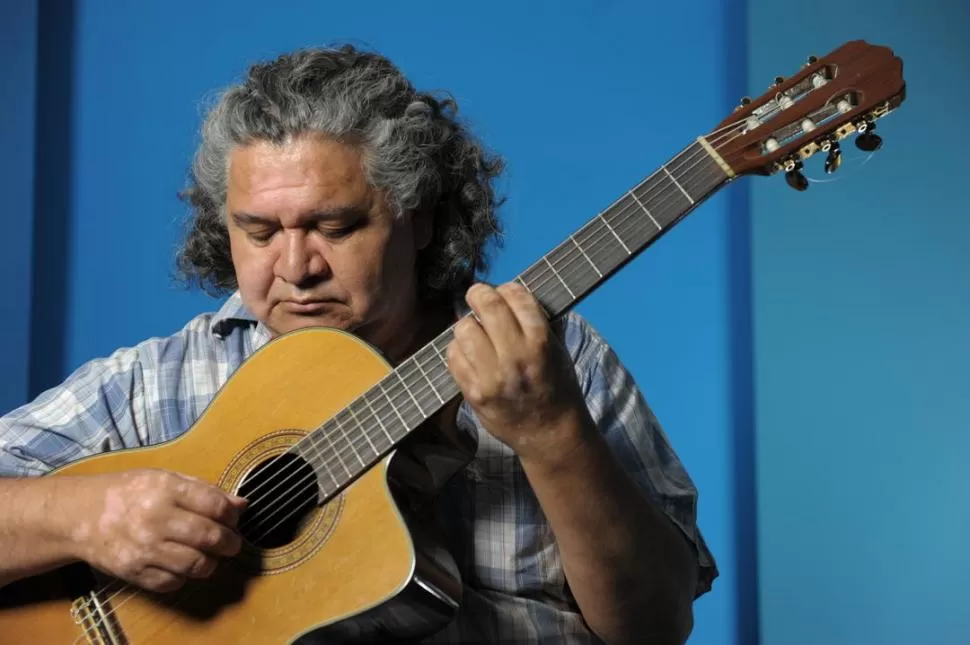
(807, 353)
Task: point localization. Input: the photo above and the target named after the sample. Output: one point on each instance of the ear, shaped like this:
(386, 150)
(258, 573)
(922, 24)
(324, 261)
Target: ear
(422, 226)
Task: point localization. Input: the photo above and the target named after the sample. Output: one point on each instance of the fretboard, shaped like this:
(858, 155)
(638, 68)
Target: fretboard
(349, 443)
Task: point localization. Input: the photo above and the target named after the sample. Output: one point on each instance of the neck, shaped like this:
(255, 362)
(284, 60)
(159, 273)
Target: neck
(412, 331)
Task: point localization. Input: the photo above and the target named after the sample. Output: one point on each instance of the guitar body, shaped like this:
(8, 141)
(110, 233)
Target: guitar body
(362, 566)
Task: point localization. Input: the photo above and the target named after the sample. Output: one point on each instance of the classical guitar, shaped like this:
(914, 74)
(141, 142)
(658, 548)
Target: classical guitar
(336, 546)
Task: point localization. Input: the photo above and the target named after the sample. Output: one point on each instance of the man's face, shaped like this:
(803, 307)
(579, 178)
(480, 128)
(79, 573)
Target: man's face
(313, 244)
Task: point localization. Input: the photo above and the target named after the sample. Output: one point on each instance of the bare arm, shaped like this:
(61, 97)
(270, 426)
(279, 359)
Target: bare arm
(630, 569)
(152, 528)
(34, 534)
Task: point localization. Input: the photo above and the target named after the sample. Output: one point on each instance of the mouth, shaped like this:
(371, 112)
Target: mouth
(307, 307)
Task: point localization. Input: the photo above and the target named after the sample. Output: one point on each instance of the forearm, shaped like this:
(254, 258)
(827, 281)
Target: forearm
(631, 571)
(34, 528)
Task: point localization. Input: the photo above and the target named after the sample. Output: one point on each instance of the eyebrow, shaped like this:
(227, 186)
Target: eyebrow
(337, 212)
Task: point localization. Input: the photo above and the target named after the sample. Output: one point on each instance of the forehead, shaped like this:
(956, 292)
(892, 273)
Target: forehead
(307, 168)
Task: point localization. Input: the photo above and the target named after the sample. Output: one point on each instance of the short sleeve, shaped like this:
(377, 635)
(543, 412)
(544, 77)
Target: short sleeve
(636, 437)
(99, 407)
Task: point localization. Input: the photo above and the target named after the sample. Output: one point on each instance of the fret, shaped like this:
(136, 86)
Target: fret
(676, 183)
(390, 401)
(611, 230)
(320, 461)
(407, 389)
(645, 210)
(377, 418)
(336, 451)
(556, 273)
(697, 168)
(363, 431)
(425, 375)
(572, 270)
(599, 242)
(627, 218)
(588, 259)
(662, 196)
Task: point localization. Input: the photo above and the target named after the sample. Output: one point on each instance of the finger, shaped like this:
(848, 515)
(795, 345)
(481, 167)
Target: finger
(202, 533)
(529, 314)
(472, 341)
(464, 374)
(496, 317)
(184, 561)
(156, 579)
(205, 499)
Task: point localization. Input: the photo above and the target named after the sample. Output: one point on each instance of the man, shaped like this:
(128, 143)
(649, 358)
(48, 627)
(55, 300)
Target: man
(327, 191)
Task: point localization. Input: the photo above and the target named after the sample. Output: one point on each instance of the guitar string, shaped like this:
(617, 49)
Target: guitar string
(547, 275)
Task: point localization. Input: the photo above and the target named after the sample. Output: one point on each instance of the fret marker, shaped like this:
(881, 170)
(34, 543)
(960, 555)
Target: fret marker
(586, 256)
(676, 183)
(618, 238)
(556, 273)
(649, 214)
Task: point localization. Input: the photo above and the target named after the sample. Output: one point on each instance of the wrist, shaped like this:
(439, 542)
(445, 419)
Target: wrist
(574, 439)
(53, 515)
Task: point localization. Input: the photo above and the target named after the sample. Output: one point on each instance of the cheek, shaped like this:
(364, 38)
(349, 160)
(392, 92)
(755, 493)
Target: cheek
(254, 269)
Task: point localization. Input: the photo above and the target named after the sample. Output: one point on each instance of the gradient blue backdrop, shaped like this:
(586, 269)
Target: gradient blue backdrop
(822, 333)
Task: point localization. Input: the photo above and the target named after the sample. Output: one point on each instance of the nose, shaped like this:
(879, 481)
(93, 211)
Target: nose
(299, 262)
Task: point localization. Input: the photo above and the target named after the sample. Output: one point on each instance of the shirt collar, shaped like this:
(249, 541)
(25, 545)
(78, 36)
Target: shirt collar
(231, 314)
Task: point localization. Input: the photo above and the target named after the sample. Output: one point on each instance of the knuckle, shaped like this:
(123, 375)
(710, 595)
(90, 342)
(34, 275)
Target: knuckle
(201, 567)
(212, 538)
(221, 507)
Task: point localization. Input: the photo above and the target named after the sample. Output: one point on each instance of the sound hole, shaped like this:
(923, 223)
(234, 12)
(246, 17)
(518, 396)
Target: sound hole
(282, 493)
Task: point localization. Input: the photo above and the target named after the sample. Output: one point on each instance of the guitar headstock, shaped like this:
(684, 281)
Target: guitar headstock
(829, 99)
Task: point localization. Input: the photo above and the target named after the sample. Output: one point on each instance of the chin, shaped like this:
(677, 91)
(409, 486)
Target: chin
(294, 323)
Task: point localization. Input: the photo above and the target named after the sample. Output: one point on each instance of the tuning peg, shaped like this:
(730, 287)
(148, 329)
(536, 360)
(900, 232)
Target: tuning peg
(811, 61)
(834, 159)
(868, 140)
(794, 176)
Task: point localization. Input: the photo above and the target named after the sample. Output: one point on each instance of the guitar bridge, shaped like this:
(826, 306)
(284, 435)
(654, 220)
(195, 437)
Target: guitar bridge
(96, 620)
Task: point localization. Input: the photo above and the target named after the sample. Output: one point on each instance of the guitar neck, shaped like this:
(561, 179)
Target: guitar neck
(353, 440)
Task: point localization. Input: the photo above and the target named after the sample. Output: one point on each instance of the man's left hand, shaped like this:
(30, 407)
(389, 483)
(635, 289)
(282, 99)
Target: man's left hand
(516, 374)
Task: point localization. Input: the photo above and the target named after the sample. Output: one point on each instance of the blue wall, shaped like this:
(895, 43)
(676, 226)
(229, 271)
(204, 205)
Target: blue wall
(583, 101)
(862, 347)
(18, 66)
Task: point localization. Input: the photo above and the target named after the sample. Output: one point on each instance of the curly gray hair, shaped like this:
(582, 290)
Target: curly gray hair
(415, 149)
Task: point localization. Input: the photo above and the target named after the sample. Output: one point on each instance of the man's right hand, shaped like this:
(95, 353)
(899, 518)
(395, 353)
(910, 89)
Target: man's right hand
(154, 528)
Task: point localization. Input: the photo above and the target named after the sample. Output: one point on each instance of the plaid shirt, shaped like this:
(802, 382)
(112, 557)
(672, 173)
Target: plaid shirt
(515, 589)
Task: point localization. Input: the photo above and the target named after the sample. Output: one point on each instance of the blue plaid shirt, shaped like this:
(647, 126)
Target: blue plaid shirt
(515, 588)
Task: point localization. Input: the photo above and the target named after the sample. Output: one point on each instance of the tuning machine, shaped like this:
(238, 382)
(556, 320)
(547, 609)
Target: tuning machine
(794, 176)
(834, 159)
(868, 140)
